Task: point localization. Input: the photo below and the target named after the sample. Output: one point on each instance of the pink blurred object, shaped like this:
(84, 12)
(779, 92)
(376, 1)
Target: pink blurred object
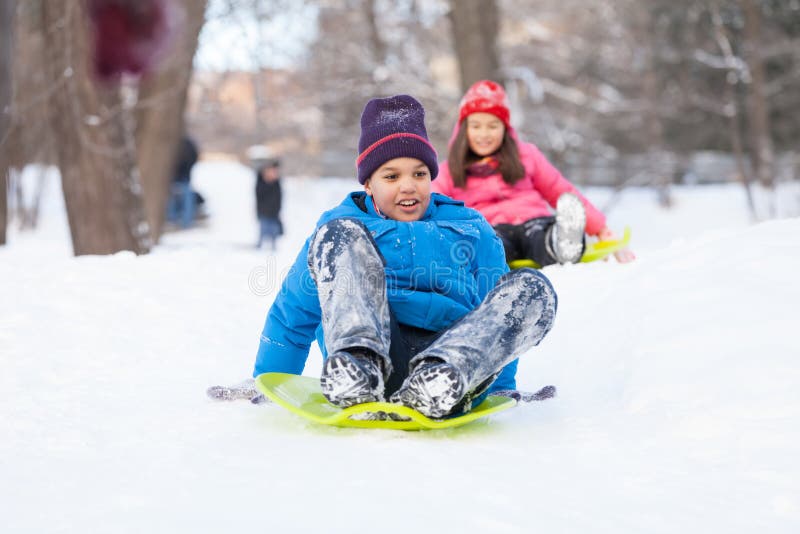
(130, 36)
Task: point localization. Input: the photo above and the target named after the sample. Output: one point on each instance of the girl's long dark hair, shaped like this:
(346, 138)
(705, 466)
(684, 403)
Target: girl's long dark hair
(460, 157)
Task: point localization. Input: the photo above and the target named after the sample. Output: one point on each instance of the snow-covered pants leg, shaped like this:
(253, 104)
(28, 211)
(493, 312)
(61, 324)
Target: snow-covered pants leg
(516, 314)
(348, 270)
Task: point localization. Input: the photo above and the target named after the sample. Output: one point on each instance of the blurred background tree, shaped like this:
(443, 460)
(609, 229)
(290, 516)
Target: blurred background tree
(615, 92)
(90, 125)
(99, 92)
(475, 26)
(160, 107)
(7, 8)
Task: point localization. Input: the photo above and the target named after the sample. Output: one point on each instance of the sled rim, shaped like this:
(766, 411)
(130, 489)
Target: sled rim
(594, 251)
(286, 391)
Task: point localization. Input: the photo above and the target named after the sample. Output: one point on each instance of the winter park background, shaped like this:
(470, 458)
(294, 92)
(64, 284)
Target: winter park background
(678, 407)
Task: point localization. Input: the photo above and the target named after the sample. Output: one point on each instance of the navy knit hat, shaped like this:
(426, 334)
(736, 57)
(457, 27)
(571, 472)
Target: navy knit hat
(391, 128)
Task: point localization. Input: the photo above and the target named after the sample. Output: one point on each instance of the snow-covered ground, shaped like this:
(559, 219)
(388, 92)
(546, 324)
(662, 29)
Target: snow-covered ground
(678, 379)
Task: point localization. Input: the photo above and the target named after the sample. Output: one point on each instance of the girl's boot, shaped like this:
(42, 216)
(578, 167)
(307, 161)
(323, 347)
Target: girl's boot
(567, 234)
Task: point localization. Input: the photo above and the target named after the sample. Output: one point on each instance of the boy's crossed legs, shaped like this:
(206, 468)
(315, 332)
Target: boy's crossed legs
(446, 375)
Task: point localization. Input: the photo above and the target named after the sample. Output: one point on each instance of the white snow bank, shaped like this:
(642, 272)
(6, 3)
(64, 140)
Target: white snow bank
(678, 406)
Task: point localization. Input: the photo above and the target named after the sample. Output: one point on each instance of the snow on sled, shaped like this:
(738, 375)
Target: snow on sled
(302, 395)
(594, 251)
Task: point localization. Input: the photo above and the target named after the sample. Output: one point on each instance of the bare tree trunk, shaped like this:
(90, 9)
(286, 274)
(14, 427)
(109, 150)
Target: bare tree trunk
(93, 141)
(259, 78)
(378, 46)
(160, 122)
(732, 107)
(659, 163)
(475, 24)
(7, 11)
(738, 152)
(660, 166)
(758, 106)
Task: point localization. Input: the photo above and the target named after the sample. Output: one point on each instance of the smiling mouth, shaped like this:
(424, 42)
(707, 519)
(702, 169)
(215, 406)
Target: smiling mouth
(408, 203)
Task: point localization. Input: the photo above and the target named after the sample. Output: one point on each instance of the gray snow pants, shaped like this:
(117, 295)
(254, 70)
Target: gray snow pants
(348, 270)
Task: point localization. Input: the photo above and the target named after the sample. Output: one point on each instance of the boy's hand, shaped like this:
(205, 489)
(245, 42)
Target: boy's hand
(245, 390)
(623, 256)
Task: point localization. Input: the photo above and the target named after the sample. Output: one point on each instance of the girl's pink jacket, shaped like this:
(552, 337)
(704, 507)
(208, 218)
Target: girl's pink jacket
(531, 197)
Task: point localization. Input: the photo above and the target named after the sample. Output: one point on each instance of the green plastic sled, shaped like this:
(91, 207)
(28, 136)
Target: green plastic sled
(594, 251)
(302, 395)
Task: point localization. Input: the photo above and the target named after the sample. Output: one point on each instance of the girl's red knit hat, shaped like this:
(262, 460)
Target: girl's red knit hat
(485, 96)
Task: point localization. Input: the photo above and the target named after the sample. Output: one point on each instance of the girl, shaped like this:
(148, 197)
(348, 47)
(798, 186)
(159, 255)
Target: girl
(514, 186)
(407, 292)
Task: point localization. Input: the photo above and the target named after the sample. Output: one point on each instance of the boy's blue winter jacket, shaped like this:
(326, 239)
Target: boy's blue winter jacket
(437, 270)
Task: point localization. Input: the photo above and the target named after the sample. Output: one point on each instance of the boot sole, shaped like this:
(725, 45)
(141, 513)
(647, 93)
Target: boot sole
(570, 227)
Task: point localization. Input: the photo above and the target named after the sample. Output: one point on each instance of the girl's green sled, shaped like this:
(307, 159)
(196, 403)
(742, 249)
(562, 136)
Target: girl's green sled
(594, 251)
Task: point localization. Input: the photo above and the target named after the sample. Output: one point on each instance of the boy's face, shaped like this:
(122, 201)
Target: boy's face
(401, 189)
(484, 133)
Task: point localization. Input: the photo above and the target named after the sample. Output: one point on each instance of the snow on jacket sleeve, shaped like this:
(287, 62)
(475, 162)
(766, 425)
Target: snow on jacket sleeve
(291, 322)
(551, 184)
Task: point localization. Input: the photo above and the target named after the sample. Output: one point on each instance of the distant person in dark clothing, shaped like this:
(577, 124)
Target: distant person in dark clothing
(268, 202)
(184, 201)
(187, 157)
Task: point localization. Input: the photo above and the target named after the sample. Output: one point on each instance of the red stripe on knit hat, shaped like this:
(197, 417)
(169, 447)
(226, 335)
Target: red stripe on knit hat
(379, 142)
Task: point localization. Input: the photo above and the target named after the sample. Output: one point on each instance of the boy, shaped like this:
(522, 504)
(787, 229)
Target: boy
(407, 292)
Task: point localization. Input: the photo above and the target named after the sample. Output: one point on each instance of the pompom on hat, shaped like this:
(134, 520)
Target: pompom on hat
(391, 128)
(485, 96)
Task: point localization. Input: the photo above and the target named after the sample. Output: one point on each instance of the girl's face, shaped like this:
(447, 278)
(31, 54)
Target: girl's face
(484, 133)
(401, 189)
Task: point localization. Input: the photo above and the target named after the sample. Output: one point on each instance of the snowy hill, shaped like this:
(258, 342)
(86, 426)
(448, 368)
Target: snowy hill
(678, 406)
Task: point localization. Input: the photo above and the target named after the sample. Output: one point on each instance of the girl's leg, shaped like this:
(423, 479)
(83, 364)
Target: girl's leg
(534, 236)
(348, 271)
(559, 239)
(509, 234)
(513, 317)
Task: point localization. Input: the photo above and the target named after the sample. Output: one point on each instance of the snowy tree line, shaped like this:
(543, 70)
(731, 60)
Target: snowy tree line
(595, 84)
(614, 91)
